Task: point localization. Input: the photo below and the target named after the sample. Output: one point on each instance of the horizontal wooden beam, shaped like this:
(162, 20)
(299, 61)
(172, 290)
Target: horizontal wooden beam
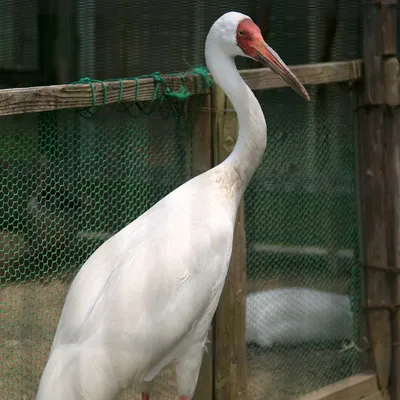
(47, 98)
(376, 396)
(56, 97)
(309, 74)
(356, 387)
(302, 250)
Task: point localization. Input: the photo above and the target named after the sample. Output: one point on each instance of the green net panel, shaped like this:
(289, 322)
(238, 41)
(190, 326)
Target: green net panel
(301, 229)
(68, 182)
(300, 215)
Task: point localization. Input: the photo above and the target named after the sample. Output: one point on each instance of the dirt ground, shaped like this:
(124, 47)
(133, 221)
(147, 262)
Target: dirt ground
(29, 314)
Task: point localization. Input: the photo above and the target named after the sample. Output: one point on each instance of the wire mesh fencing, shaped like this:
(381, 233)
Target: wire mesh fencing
(69, 181)
(303, 304)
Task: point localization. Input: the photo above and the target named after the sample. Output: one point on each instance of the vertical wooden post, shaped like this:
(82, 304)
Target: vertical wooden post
(230, 318)
(390, 72)
(392, 182)
(374, 257)
(47, 31)
(66, 49)
(373, 191)
(201, 162)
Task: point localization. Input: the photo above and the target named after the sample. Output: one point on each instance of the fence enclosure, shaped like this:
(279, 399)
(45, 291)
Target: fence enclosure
(80, 161)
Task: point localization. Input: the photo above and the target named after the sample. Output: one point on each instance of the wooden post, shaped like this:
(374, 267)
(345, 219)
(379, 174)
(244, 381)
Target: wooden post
(201, 162)
(373, 191)
(392, 173)
(66, 45)
(230, 319)
(392, 182)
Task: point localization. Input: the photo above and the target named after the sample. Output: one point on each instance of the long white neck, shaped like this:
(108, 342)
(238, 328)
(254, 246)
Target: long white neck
(252, 138)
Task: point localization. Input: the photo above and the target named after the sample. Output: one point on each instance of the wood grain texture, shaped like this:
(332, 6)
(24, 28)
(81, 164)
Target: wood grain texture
(393, 171)
(373, 198)
(392, 193)
(372, 203)
(311, 74)
(202, 141)
(230, 319)
(356, 387)
(391, 81)
(373, 88)
(389, 28)
(47, 98)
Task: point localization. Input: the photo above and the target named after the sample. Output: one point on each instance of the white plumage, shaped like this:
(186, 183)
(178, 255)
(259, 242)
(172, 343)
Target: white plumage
(291, 316)
(146, 297)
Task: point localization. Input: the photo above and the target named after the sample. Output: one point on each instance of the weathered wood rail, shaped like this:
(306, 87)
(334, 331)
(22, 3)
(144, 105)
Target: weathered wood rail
(48, 98)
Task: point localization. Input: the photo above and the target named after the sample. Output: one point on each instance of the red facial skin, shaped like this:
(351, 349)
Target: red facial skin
(250, 40)
(248, 37)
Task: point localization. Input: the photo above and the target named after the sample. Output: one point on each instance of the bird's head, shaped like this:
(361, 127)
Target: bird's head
(237, 35)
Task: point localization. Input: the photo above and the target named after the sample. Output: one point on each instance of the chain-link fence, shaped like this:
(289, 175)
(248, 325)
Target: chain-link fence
(303, 277)
(69, 181)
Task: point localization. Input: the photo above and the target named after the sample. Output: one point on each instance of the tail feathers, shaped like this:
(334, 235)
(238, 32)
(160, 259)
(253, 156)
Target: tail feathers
(74, 373)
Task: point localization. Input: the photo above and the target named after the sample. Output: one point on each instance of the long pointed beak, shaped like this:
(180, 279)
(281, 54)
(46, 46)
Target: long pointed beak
(265, 55)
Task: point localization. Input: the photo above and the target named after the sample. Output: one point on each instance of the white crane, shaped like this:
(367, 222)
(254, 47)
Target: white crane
(146, 297)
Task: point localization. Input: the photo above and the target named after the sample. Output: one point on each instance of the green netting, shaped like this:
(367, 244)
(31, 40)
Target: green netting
(302, 232)
(68, 182)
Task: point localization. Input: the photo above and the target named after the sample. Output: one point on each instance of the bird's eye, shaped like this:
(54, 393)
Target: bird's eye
(241, 32)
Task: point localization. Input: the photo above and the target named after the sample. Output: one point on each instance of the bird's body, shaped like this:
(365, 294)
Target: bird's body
(146, 297)
(102, 327)
(291, 316)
